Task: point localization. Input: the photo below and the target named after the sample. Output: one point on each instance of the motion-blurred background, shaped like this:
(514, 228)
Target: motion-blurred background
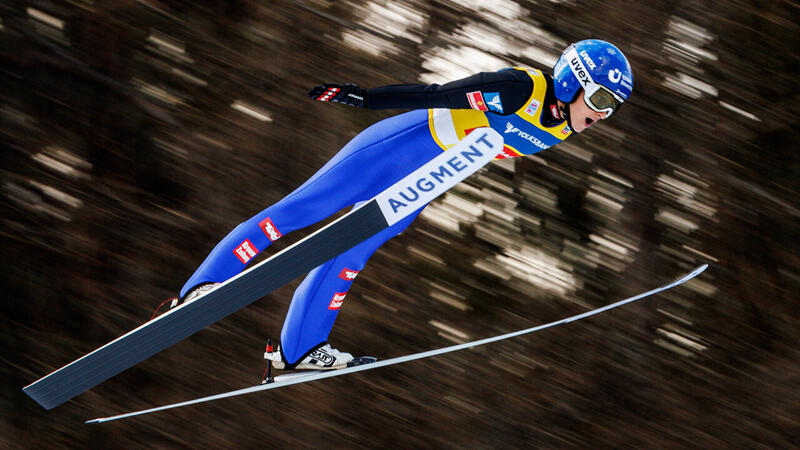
(137, 133)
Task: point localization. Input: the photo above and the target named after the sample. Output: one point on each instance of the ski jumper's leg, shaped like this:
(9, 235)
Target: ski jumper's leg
(319, 297)
(372, 161)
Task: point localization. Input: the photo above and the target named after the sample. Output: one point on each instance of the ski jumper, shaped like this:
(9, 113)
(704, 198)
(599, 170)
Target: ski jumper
(515, 102)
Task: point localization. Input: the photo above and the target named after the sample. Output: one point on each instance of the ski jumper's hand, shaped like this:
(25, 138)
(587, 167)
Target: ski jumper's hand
(349, 94)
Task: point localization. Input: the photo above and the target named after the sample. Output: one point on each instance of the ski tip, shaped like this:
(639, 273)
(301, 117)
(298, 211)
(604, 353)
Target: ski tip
(94, 421)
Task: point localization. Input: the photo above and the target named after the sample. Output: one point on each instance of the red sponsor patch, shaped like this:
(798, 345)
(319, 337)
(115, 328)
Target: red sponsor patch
(347, 274)
(270, 229)
(554, 112)
(245, 251)
(476, 101)
(507, 153)
(337, 300)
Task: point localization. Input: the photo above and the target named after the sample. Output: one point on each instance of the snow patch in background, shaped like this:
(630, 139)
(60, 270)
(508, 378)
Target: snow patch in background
(533, 266)
(393, 18)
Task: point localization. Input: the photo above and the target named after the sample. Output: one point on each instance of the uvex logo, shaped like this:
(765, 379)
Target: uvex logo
(270, 229)
(588, 59)
(337, 300)
(580, 71)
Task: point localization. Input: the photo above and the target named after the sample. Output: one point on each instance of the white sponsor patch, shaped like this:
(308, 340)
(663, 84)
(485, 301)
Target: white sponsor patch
(533, 106)
(439, 174)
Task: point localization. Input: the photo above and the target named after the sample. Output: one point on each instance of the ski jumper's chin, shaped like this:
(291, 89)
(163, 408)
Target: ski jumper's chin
(581, 116)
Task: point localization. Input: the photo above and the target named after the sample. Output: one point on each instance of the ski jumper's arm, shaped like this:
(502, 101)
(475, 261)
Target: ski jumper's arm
(513, 86)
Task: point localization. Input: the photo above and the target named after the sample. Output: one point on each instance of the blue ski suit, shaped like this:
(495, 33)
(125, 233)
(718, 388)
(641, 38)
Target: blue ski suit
(516, 102)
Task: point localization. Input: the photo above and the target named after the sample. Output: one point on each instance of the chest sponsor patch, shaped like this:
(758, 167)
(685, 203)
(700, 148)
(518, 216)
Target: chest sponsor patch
(510, 128)
(493, 101)
(476, 101)
(270, 229)
(532, 107)
(337, 300)
(566, 130)
(348, 275)
(245, 251)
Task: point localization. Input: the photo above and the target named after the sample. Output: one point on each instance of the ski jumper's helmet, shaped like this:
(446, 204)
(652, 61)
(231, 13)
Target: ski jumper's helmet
(597, 67)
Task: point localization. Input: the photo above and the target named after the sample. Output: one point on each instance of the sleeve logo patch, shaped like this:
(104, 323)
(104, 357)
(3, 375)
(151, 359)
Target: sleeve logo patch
(337, 300)
(245, 251)
(348, 275)
(270, 229)
(493, 101)
(476, 101)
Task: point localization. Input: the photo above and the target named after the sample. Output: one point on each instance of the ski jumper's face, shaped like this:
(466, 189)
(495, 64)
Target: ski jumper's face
(581, 116)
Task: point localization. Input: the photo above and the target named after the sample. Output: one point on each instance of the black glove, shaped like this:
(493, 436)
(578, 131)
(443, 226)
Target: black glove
(349, 94)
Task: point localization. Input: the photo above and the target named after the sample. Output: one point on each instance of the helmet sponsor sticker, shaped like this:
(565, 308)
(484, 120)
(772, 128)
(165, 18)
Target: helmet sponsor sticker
(245, 251)
(577, 67)
(493, 101)
(585, 55)
(614, 75)
(626, 82)
(270, 229)
(476, 101)
(337, 300)
(348, 275)
(532, 107)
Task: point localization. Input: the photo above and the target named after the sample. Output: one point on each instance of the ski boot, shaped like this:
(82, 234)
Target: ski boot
(323, 358)
(190, 296)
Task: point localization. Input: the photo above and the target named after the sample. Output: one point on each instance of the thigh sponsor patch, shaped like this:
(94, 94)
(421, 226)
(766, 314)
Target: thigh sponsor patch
(245, 251)
(337, 300)
(348, 275)
(270, 229)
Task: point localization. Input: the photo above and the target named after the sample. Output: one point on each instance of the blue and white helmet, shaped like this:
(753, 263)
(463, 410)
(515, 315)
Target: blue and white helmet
(589, 62)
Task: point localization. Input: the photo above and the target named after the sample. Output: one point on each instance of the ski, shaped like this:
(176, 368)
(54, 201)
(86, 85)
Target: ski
(305, 377)
(387, 208)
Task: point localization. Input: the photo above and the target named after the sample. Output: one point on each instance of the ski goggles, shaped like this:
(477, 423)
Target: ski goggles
(599, 98)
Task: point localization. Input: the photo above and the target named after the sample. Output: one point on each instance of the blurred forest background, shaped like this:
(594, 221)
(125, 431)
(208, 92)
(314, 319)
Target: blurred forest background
(137, 133)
